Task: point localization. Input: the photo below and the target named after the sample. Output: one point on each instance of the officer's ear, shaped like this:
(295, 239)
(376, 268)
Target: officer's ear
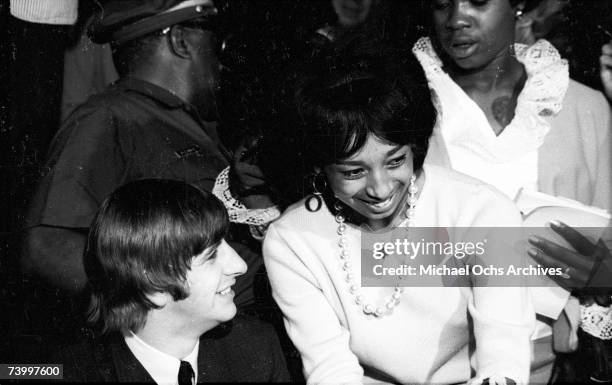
(178, 39)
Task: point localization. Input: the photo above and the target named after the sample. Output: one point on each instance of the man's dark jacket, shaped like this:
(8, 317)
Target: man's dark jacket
(244, 350)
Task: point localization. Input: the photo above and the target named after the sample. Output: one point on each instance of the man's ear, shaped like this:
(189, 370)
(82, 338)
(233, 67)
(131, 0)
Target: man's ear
(160, 298)
(177, 40)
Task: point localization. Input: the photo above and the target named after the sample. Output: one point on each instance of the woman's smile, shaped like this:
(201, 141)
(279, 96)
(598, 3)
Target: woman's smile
(373, 182)
(379, 206)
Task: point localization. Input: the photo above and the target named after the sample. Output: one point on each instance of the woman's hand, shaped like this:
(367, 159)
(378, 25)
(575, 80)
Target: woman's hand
(587, 271)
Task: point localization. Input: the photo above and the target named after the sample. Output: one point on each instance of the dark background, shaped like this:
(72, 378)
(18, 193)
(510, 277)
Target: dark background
(32, 55)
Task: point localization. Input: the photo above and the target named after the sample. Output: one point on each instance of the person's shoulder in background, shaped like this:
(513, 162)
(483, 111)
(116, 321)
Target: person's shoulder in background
(582, 95)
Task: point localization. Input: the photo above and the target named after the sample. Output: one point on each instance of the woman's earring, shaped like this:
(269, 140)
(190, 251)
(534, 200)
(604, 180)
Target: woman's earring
(518, 14)
(316, 193)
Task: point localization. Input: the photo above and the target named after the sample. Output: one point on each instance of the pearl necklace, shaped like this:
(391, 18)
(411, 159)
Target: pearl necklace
(345, 258)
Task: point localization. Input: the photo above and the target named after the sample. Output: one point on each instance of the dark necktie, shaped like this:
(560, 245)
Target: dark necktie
(185, 376)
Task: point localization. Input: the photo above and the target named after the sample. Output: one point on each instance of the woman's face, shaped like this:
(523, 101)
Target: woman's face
(374, 181)
(474, 33)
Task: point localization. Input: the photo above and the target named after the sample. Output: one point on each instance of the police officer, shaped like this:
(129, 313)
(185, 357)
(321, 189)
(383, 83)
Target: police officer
(156, 121)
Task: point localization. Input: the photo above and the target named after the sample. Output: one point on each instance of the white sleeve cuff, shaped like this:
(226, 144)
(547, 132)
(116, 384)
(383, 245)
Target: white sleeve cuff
(549, 301)
(237, 211)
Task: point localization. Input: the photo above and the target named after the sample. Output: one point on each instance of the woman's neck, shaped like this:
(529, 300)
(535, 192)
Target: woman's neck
(494, 88)
(502, 72)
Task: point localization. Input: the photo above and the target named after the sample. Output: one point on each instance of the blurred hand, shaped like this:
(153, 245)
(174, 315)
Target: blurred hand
(587, 271)
(247, 181)
(605, 61)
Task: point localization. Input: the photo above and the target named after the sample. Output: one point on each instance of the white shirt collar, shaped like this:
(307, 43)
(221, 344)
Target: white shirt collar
(162, 367)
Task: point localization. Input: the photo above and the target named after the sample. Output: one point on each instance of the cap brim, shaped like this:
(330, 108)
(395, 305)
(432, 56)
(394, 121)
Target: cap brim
(101, 34)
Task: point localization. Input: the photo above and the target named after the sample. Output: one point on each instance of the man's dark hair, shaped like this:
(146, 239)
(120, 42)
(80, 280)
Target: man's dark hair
(141, 242)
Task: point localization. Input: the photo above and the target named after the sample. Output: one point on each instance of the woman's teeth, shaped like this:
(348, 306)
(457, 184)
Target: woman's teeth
(226, 291)
(382, 204)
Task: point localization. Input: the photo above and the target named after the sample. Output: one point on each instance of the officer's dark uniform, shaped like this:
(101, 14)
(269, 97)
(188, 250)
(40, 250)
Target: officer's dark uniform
(132, 130)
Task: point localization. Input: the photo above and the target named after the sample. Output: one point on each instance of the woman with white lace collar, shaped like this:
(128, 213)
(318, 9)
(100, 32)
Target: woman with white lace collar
(511, 117)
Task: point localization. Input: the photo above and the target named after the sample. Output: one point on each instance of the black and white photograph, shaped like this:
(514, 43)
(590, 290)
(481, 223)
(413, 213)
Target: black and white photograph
(306, 191)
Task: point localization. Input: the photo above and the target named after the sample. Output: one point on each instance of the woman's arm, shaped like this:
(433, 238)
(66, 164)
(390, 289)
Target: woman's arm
(311, 322)
(500, 305)
(503, 320)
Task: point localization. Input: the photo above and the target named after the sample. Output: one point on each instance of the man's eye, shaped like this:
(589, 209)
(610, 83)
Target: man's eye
(211, 255)
(352, 174)
(397, 161)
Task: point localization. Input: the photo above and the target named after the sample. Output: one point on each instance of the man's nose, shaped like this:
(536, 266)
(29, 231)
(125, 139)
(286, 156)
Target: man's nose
(233, 264)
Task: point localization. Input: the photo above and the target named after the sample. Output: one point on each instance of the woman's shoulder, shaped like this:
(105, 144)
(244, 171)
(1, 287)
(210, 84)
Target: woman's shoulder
(583, 91)
(586, 112)
(449, 181)
(298, 216)
(472, 199)
(583, 98)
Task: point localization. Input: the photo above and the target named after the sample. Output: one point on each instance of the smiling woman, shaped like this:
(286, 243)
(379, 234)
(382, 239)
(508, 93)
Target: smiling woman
(380, 132)
(364, 132)
(374, 182)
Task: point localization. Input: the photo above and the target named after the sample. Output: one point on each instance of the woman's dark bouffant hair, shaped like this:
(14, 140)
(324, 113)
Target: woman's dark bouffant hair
(355, 89)
(142, 241)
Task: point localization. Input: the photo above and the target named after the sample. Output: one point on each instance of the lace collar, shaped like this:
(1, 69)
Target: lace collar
(541, 97)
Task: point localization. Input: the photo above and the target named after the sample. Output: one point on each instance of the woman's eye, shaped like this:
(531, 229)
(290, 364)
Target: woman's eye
(397, 161)
(353, 174)
(480, 2)
(440, 5)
